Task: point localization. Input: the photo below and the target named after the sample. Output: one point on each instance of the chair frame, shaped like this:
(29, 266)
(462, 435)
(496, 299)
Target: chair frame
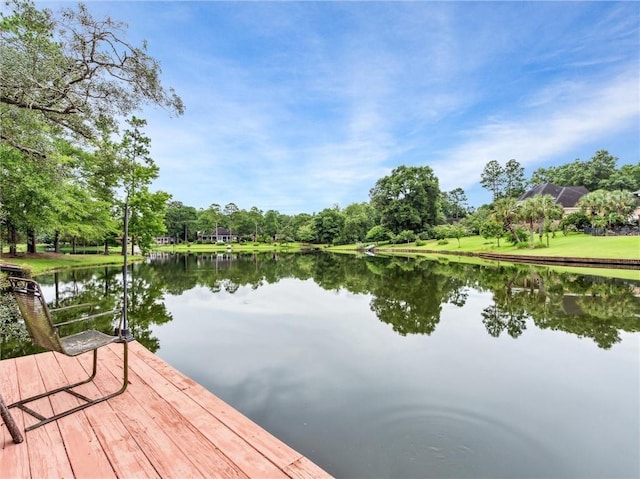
(31, 301)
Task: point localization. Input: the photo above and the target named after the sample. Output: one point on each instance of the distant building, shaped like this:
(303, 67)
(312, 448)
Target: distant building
(565, 196)
(219, 235)
(165, 240)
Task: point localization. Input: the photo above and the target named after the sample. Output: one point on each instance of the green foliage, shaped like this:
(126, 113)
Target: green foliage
(476, 219)
(407, 199)
(503, 182)
(514, 181)
(492, 229)
(600, 172)
(64, 72)
(516, 234)
(454, 204)
(328, 225)
(607, 208)
(378, 233)
(578, 220)
(405, 236)
(306, 233)
(181, 221)
(441, 232)
(492, 178)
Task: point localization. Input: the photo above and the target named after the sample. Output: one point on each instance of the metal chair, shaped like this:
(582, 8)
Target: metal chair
(44, 333)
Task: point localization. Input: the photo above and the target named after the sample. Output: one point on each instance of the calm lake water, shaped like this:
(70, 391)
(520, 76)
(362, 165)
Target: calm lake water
(398, 368)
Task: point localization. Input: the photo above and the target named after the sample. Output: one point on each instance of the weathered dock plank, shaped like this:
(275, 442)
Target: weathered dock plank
(164, 425)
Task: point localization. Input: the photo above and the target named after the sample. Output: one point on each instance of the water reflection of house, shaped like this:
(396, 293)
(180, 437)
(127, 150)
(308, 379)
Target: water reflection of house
(218, 235)
(565, 196)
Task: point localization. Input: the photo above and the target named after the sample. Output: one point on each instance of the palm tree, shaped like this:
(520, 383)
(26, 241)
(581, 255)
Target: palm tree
(505, 211)
(594, 205)
(530, 212)
(549, 211)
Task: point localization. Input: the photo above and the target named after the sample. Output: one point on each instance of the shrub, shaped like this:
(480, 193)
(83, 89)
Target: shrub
(443, 242)
(517, 236)
(378, 233)
(427, 233)
(405, 236)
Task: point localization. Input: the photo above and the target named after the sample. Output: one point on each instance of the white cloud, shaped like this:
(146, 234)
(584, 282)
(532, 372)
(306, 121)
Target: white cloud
(553, 125)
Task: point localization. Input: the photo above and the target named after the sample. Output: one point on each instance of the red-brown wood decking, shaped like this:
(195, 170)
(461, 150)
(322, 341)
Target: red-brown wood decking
(165, 425)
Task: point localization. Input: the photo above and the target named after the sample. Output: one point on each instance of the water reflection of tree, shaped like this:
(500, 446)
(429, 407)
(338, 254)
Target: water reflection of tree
(585, 306)
(103, 288)
(406, 293)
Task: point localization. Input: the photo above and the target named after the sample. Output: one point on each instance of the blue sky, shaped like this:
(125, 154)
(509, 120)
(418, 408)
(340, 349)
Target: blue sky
(296, 106)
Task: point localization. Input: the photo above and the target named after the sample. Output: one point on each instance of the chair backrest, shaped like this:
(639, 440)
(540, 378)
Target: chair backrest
(35, 313)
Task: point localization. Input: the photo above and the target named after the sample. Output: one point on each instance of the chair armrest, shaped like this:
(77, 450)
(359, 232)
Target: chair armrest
(73, 306)
(85, 318)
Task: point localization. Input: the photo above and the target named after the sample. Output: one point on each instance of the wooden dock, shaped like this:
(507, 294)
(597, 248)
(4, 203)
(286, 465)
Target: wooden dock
(164, 426)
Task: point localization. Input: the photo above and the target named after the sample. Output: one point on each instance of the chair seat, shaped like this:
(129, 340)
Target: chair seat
(85, 341)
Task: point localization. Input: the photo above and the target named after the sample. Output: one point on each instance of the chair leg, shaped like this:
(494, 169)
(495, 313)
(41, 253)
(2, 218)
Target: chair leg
(88, 402)
(11, 424)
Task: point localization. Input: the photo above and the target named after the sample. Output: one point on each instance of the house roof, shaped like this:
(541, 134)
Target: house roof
(565, 196)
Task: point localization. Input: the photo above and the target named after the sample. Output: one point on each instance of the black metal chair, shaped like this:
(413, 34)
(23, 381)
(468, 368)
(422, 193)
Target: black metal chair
(44, 333)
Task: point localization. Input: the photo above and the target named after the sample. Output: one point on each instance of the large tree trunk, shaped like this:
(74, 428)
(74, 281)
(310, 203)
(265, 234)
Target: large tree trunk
(106, 247)
(56, 242)
(74, 242)
(13, 240)
(31, 241)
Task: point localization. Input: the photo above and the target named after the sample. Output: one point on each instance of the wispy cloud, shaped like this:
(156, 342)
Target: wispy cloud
(558, 118)
(297, 106)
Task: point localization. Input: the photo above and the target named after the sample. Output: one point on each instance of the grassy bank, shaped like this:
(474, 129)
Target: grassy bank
(572, 246)
(47, 262)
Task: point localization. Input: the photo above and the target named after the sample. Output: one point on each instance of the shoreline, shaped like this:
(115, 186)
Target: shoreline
(622, 263)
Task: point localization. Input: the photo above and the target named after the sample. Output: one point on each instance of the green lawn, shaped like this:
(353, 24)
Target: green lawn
(49, 262)
(574, 246)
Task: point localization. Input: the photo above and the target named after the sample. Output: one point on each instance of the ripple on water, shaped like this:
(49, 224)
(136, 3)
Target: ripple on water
(437, 441)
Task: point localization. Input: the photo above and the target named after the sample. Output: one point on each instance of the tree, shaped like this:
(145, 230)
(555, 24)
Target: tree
(492, 178)
(407, 199)
(63, 73)
(378, 233)
(530, 212)
(539, 211)
(148, 220)
(605, 208)
(306, 233)
(599, 172)
(27, 191)
(328, 225)
(208, 219)
(230, 215)
(256, 218)
(627, 177)
(457, 231)
(492, 229)
(514, 181)
(180, 220)
(138, 171)
(454, 204)
(505, 211)
(359, 219)
(273, 222)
